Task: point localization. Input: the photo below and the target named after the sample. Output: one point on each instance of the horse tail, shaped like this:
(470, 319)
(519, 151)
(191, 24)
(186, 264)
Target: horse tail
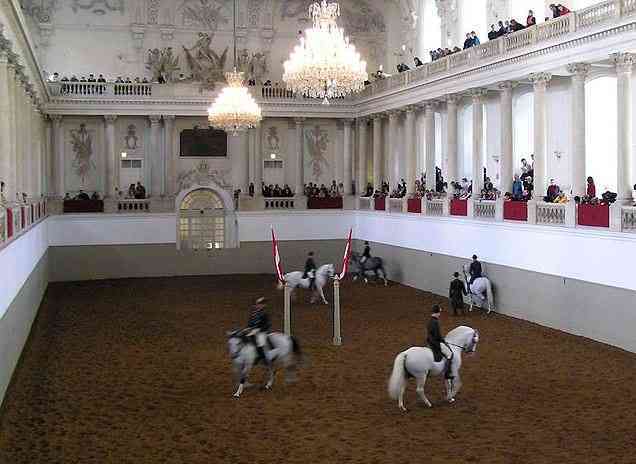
(398, 376)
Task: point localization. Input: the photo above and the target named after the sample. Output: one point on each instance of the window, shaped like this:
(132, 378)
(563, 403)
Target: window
(601, 142)
(202, 221)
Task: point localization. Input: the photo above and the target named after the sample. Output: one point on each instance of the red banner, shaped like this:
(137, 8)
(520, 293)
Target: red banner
(346, 257)
(277, 264)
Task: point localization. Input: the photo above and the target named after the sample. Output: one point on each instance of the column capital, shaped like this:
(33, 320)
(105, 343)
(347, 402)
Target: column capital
(478, 94)
(110, 118)
(169, 117)
(580, 70)
(540, 79)
(623, 62)
(452, 99)
(299, 121)
(154, 119)
(507, 86)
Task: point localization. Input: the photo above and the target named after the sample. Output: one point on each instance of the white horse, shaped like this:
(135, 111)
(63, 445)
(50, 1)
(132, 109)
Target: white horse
(419, 362)
(285, 352)
(480, 292)
(295, 280)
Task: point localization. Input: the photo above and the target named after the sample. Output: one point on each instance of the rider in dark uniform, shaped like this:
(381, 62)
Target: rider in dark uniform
(366, 254)
(258, 327)
(310, 269)
(475, 270)
(435, 339)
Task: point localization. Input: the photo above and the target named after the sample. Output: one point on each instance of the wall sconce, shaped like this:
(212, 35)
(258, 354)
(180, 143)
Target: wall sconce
(558, 154)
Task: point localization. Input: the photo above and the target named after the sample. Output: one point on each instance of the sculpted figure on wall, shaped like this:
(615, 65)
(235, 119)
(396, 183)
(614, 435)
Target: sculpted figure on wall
(162, 64)
(206, 66)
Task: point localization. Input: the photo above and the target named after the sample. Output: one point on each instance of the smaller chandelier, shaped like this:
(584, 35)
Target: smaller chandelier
(234, 109)
(325, 64)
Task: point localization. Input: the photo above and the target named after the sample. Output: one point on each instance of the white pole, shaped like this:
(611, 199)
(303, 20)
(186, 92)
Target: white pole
(337, 340)
(287, 296)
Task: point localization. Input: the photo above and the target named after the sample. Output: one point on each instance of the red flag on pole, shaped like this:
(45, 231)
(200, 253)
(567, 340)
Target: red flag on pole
(346, 257)
(277, 265)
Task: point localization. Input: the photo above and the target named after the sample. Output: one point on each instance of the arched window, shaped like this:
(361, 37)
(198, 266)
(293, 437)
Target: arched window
(522, 130)
(601, 135)
(202, 221)
(473, 14)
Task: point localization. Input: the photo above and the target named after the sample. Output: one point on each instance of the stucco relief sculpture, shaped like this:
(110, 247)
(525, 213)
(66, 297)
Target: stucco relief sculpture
(206, 14)
(40, 10)
(98, 7)
(203, 175)
(162, 63)
(316, 145)
(82, 146)
(206, 66)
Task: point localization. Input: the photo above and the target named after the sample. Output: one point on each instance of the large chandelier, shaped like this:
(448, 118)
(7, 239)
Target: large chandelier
(234, 109)
(324, 64)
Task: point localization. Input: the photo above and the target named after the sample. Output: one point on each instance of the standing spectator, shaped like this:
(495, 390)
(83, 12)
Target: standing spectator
(531, 20)
(456, 294)
(591, 188)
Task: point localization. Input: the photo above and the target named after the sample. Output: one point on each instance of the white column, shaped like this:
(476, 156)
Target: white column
(624, 62)
(429, 130)
(5, 126)
(156, 174)
(540, 81)
(111, 160)
(390, 160)
(258, 161)
(478, 141)
(505, 183)
(451, 137)
(377, 151)
(410, 149)
(171, 156)
(362, 156)
(58, 156)
(347, 156)
(300, 157)
(577, 160)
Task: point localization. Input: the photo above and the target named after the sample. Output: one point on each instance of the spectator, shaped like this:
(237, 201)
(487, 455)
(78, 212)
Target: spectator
(591, 188)
(531, 20)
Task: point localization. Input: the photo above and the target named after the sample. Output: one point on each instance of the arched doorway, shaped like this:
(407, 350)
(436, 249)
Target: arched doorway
(206, 220)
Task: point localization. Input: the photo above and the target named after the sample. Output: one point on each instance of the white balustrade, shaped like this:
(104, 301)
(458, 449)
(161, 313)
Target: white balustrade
(628, 219)
(551, 213)
(484, 209)
(280, 203)
(598, 13)
(133, 206)
(435, 207)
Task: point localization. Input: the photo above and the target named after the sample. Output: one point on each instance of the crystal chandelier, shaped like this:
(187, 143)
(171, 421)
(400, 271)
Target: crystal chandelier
(324, 64)
(234, 109)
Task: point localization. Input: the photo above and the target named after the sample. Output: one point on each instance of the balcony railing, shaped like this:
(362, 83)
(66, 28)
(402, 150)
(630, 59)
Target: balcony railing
(17, 218)
(606, 12)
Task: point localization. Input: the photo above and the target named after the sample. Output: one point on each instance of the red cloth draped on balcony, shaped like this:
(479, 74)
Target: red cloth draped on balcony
(414, 205)
(516, 210)
(380, 204)
(459, 207)
(594, 215)
(324, 203)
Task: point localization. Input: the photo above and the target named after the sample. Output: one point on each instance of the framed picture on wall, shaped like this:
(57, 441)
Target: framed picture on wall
(203, 142)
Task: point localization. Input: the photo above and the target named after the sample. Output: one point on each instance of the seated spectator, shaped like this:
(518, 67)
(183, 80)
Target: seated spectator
(517, 188)
(492, 35)
(591, 188)
(531, 20)
(140, 192)
(552, 193)
(82, 196)
(515, 26)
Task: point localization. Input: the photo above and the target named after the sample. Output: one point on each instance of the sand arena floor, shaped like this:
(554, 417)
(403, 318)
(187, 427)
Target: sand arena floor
(136, 371)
